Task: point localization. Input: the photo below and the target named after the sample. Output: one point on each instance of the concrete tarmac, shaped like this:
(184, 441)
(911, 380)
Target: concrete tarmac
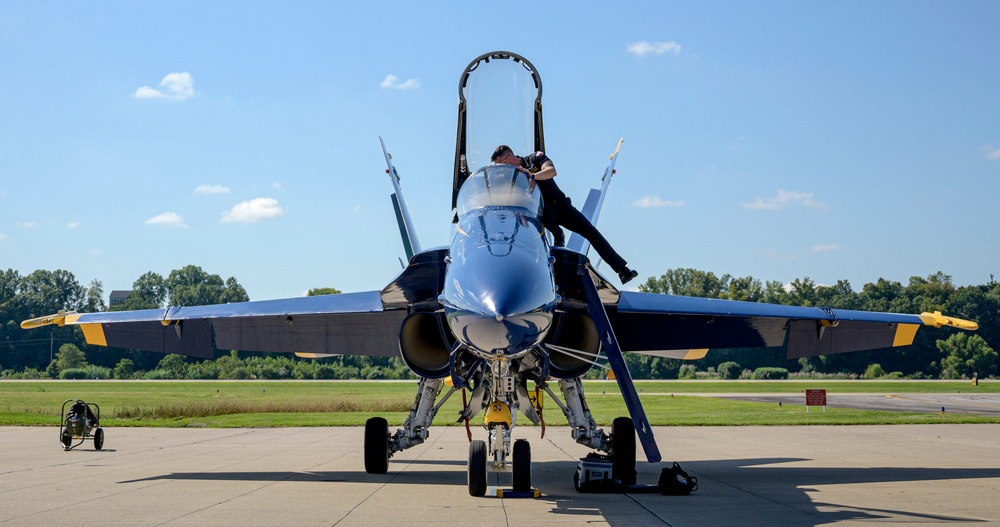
(795, 476)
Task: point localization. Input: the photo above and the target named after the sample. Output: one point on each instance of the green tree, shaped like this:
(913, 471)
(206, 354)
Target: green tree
(173, 366)
(70, 356)
(729, 370)
(192, 286)
(689, 282)
(234, 292)
(125, 369)
(45, 292)
(802, 292)
(323, 291)
(148, 292)
(746, 289)
(874, 371)
(95, 298)
(965, 356)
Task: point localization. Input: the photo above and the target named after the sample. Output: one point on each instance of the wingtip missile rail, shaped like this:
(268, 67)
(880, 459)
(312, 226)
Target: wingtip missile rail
(938, 320)
(58, 319)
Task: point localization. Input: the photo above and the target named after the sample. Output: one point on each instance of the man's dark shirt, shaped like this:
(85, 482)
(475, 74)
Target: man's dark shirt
(560, 211)
(551, 192)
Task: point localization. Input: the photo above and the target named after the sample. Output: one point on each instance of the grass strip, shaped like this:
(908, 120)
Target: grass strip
(230, 404)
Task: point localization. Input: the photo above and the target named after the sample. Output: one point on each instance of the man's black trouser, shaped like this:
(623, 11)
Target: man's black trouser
(563, 213)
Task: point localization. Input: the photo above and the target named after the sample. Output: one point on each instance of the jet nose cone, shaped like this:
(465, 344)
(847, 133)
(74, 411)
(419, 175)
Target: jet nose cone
(503, 307)
(510, 335)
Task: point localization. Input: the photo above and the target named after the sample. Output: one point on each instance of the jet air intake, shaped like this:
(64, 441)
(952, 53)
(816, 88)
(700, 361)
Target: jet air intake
(577, 333)
(424, 345)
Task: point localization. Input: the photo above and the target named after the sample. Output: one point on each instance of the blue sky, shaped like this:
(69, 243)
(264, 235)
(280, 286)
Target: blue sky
(829, 140)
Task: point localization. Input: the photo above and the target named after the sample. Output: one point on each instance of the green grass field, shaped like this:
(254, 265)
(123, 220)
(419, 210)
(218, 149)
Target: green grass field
(349, 403)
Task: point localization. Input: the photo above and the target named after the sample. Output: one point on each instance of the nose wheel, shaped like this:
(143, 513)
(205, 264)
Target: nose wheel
(522, 466)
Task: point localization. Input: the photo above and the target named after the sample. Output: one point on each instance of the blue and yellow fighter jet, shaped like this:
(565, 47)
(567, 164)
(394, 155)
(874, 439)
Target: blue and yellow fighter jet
(501, 307)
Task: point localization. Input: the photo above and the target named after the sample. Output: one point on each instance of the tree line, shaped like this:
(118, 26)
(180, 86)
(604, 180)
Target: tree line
(63, 353)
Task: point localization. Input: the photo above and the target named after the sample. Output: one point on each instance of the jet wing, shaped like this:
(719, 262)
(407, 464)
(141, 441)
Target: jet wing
(686, 327)
(344, 324)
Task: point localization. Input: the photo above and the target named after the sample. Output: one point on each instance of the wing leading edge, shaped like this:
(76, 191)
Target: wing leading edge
(349, 323)
(686, 327)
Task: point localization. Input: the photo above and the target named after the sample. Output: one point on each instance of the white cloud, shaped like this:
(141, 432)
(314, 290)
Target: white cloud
(253, 211)
(175, 87)
(170, 219)
(27, 224)
(392, 81)
(211, 189)
(990, 152)
(824, 248)
(784, 197)
(644, 48)
(2, 236)
(277, 186)
(73, 224)
(650, 200)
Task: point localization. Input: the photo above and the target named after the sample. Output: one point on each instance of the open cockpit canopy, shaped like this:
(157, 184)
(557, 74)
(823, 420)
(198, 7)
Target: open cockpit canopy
(500, 102)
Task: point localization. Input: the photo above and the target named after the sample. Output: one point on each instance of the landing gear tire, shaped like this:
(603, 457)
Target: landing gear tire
(623, 450)
(376, 446)
(477, 468)
(522, 466)
(66, 440)
(98, 439)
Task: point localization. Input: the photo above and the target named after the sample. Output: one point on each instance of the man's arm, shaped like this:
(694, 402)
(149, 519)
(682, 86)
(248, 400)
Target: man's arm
(548, 171)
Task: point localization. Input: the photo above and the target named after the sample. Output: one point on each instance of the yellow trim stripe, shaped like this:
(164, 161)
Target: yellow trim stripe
(696, 354)
(94, 333)
(308, 355)
(905, 334)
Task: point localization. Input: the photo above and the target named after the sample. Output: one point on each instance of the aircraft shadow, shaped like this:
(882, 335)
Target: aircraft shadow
(761, 491)
(739, 491)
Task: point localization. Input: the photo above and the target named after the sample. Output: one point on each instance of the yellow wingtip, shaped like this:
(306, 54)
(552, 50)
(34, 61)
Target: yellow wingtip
(58, 319)
(937, 320)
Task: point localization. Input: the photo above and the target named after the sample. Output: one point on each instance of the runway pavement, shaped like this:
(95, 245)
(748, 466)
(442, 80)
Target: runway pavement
(796, 476)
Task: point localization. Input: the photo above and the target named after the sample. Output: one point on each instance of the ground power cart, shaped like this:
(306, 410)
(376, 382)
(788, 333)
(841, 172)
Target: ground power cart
(81, 423)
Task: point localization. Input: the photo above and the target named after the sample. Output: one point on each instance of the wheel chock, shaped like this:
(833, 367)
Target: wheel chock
(501, 492)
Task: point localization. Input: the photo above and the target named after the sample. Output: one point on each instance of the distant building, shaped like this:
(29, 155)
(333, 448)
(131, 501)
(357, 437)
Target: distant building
(117, 297)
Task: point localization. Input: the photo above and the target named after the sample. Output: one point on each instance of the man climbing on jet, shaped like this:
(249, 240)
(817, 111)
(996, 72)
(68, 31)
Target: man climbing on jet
(559, 210)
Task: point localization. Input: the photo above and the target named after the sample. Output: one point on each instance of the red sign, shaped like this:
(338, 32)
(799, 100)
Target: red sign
(815, 397)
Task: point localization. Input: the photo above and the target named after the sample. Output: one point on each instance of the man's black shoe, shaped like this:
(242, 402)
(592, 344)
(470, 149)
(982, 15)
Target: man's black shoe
(626, 275)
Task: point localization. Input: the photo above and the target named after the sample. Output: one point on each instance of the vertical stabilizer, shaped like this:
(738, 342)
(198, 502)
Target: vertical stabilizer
(595, 200)
(407, 232)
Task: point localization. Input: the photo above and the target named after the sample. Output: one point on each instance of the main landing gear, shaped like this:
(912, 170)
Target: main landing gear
(502, 395)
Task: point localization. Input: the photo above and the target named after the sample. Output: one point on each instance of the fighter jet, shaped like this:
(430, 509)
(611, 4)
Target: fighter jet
(501, 312)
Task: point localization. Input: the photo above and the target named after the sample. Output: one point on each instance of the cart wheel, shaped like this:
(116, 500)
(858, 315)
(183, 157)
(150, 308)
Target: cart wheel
(66, 440)
(98, 439)
(623, 450)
